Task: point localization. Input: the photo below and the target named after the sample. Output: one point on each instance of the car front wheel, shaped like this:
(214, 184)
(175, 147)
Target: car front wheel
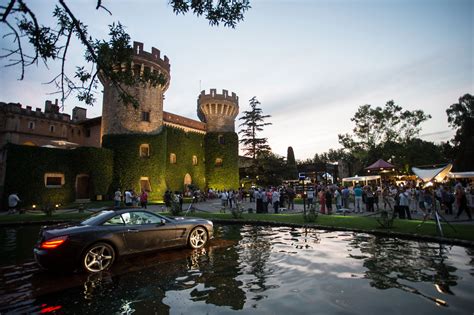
(98, 257)
(198, 237)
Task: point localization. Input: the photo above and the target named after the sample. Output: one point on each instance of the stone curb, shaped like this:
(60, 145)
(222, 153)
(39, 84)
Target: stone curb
(409, 236)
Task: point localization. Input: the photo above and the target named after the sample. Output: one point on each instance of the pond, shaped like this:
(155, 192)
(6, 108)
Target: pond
(248, 269)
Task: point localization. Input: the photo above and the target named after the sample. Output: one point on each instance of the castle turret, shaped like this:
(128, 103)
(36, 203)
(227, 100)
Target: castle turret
(148, 116)
(218, 111)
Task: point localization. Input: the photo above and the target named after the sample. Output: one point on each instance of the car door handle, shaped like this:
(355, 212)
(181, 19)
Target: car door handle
(132, 231)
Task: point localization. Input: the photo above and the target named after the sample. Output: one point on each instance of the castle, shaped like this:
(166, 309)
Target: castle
(129, 147)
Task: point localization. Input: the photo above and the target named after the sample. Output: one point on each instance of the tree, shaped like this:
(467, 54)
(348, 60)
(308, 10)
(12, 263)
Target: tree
(461, 118)
(253, 122)
(34, 42)
(292, 170)
(374, 126)
(270, 169)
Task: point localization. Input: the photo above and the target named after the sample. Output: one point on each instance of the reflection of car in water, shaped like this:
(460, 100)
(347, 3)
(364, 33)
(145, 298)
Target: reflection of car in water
(95, 243)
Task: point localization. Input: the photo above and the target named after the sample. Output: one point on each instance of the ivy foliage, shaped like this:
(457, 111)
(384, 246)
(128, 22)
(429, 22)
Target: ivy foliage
(227, 175)
(129, 167)
(26, 167)
(185, 145)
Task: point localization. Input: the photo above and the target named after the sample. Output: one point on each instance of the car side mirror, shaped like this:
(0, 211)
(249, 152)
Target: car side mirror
(162, 221)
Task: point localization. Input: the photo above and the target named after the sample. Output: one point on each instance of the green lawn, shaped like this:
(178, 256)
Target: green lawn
(463, 231)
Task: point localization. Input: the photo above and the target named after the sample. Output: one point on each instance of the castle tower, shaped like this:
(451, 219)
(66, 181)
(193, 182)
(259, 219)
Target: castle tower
(218, 111)
(148, 117)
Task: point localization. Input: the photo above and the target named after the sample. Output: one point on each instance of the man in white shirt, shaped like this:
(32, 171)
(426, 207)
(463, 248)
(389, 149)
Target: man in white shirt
(128, 198)
(404, 203)
(276, 200)
(13, 201)
(117, 198)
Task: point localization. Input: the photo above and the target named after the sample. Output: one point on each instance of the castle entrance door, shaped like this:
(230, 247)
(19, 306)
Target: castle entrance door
(82, 186)
(187, 180)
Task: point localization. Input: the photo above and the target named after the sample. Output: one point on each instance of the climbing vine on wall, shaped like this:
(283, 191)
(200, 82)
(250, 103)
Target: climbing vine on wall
(27, 166)
(225, 176)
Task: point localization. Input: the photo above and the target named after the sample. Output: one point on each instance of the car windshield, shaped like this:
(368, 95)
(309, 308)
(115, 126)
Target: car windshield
(97, 217)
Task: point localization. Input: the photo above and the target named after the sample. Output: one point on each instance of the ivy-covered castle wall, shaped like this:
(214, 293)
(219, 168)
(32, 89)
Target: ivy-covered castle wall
(26, 167)
(119, 165)
(163, 175)
(226, 148)
(185, 145)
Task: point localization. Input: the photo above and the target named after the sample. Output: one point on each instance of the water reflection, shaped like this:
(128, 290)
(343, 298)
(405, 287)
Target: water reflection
(264, 269)
(391, 263)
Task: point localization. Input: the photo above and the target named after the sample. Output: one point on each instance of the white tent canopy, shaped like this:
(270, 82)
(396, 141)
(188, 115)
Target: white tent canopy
(429, 174)
(461, 175)
(364, 179)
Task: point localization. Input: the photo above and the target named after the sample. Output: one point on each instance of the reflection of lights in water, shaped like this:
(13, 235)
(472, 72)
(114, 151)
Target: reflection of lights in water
(193, 261)
(95, 280)
(126, 307)
(49, 309)
(440, 302)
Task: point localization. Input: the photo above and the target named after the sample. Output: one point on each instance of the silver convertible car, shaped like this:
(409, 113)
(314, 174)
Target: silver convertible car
(95, 243)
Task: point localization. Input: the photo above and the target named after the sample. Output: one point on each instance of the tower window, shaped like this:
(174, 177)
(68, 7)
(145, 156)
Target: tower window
(52, 128)
(144, 150)
(146, 116)
(172, 158)
(218, 162)
(31, 125)
(195, 160)
(220, 139)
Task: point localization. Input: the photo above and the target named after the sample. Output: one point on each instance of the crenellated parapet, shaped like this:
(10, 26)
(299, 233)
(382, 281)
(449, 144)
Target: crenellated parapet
(217, 110)
(148, 116)
(145, 62)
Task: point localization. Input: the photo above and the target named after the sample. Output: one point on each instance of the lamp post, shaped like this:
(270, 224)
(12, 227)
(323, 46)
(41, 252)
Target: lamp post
(302, 178)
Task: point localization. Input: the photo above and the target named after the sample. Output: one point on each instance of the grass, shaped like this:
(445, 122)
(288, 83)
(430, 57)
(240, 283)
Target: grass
(463, 231)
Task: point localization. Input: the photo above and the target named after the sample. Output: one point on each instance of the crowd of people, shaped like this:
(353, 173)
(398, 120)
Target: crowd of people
(130, 198)
(402, 200)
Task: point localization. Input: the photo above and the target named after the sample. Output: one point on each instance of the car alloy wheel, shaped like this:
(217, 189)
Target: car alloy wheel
(198, 237)
(98, 258)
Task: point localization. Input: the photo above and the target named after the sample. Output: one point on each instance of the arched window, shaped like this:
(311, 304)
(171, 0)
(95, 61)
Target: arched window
(52, 128)
(144, 150)
(31, 125)
(172, 158)
(195, 160)
(218, 162)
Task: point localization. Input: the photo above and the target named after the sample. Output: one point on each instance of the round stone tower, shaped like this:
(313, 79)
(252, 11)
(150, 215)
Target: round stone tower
(118, 118)
(218, 111)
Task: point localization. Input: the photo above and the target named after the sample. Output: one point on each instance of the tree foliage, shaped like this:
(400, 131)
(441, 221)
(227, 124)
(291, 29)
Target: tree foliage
(270, 169)
(461, 118)
(374, 126)
(253, 123)
(33, 40)
(292, 170)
